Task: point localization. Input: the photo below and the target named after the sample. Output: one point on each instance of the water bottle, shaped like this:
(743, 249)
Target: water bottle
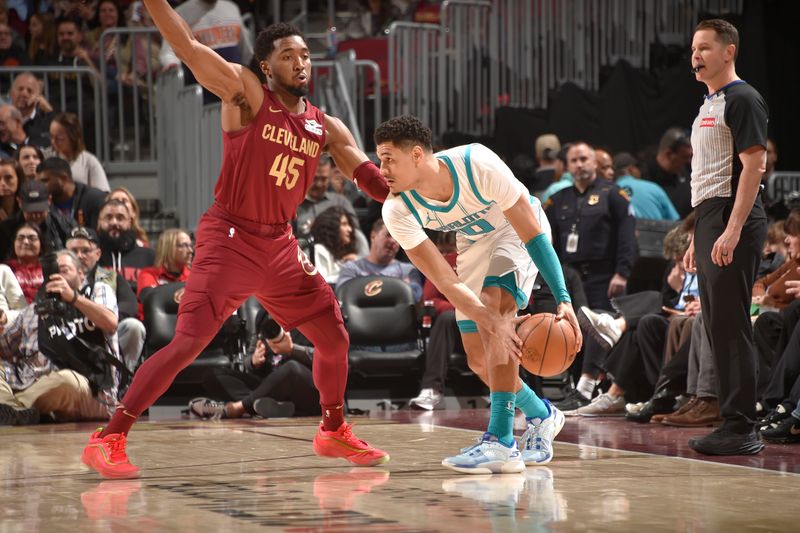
(427, 314)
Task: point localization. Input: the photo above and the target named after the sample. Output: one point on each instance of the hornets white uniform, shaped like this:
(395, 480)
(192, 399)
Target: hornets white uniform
(490, 253)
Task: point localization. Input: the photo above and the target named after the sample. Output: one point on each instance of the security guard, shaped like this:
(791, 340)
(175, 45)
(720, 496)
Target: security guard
(593, 228)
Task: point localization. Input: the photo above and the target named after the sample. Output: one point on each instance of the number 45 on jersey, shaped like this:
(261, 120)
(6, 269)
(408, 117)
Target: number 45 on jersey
(286, 170)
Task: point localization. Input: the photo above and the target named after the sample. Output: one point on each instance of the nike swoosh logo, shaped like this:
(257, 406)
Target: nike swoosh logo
(272, 109)
(794, 431)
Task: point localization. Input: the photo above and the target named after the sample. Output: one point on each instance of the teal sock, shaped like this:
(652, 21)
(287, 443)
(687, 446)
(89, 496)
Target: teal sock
(530, 404)
(501, 420)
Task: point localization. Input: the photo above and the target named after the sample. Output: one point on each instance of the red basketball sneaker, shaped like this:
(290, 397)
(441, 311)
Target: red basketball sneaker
(107, 456)
(342, 443)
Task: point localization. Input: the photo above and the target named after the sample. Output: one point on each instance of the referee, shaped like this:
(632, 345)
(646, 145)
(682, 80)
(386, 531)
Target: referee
(729, 139)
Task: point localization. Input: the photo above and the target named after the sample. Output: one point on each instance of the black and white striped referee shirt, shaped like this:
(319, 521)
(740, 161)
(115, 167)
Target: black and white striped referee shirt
(730, 121)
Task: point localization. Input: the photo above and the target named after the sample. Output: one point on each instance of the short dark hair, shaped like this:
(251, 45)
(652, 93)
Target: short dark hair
(55, 165)
(378, 225)
(405, 131)
(113, 202)
(792, 223)
(674, 139)
(68, 20)
(726, 32)
(265, 42)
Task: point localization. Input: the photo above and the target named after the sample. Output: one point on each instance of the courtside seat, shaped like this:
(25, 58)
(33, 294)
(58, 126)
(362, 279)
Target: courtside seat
(160, 319)
(381, 311)
(648, 269)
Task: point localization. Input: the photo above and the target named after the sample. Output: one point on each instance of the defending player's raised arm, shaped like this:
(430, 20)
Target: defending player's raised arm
(224, 79)
(352, 161)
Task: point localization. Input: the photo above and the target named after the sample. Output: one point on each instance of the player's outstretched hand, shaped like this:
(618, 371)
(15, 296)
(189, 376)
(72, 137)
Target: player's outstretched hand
(566, 312)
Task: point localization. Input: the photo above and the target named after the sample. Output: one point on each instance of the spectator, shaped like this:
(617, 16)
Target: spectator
(12, 300)
(81, 11)
(372, 20)
(12, 134)
(637, 337)
(274, 385)
(770, 292)
(11, 55)
(546, 150)
(83, 242)
(381, 261)
(126, 197)
(118, 242)
(67, 139)
(9, 185)
(37, 113)
(782, 423)
(108, 15)
(593, 229)
(28, 158)
(217, 25)
(12, 23)
(444, 338)
(35, 208)
(334, 241)
(605, 165)
(775, 253)
(319, 198)
(46, 378)
(77, 93)
(173, 260)
(648, 199)
(341, 185)
(75, 201)
(42, 46)
(670, 169)
(147, 50)
(562, 179)
(25, 263)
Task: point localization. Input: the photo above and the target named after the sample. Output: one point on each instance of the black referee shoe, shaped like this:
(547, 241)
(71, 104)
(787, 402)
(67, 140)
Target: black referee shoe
(723, 441)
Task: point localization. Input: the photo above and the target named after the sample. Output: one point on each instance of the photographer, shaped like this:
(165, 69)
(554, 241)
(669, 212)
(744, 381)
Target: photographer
(277, 382)
(59, 350)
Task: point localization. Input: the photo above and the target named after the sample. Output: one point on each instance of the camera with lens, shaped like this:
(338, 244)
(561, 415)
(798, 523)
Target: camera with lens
(269, 330)
(50, 303)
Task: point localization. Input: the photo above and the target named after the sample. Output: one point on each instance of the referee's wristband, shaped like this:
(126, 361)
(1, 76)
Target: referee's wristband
(546, 260)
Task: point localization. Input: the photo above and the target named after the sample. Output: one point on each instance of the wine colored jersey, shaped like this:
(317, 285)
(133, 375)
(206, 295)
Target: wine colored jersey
(269, 165)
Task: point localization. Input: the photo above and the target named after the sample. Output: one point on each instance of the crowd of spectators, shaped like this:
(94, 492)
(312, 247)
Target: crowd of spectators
(646, 355)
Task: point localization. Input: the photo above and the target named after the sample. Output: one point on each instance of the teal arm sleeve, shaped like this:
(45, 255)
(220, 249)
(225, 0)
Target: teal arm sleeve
(546, 260)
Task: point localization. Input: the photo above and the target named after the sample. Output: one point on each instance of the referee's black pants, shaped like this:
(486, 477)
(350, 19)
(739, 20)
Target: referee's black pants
(725, 294)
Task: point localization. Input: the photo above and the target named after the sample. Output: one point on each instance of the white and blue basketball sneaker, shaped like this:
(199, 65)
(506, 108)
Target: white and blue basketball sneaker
(537, 442)
(487, 456)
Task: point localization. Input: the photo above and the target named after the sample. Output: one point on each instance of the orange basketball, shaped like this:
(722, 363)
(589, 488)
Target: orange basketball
(548, 345)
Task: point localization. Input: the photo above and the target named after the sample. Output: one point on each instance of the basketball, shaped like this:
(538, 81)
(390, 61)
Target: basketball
(548, 345)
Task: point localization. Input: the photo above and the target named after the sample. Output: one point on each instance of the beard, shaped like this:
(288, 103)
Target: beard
(123, 243)
(297, 91)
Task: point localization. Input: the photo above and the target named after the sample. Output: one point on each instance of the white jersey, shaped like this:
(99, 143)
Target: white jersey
(483, 186)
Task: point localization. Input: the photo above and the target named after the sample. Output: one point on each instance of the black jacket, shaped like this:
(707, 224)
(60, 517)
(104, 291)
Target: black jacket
(55, 230)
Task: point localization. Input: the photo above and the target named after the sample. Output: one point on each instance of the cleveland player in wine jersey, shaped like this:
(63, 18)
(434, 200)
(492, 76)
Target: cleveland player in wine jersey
(272, 140)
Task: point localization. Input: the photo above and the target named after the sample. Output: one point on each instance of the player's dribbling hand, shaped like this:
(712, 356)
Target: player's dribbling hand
(565, 311)
(503, 331)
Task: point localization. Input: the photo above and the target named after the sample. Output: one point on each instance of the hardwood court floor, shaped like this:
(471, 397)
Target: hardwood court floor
(251, 475)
